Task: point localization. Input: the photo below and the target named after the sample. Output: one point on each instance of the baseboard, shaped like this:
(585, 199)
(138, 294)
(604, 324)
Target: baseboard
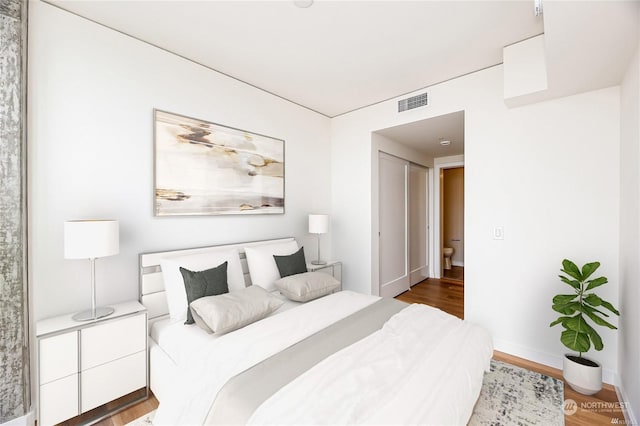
(457, 263)
(554, 361)
(629, 417)
(28, 419)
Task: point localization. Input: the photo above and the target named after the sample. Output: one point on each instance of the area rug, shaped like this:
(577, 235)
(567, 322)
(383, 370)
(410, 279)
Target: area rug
(511, 395)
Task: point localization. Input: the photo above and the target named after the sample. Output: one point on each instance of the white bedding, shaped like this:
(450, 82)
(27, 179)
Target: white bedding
(205, 370)
(412, 371)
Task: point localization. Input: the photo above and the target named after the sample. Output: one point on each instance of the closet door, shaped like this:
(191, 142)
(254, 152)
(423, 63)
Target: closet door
(393, 218)
(418, 224)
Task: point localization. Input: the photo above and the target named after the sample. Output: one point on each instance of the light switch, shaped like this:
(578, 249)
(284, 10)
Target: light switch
(498, 233)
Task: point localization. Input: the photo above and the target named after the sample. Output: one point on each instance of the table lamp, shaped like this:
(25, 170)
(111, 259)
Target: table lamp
(91, 239)
(318, 224)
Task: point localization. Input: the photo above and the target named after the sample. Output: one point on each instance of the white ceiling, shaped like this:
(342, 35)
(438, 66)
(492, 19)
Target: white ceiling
(338, 56)
(333, 57)
(425, 135)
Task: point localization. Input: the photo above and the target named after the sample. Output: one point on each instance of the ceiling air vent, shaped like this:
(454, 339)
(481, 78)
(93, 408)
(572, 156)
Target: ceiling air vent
(412, 102)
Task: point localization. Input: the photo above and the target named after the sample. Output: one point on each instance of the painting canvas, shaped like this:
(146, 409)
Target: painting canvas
(202, 168)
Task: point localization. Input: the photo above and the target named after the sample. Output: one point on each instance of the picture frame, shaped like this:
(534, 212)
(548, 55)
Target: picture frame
(205, 168)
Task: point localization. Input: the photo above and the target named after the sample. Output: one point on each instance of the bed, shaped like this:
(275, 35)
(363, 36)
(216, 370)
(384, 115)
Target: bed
(342, 358)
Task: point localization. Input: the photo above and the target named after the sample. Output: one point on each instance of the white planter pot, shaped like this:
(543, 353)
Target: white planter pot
(586, 379)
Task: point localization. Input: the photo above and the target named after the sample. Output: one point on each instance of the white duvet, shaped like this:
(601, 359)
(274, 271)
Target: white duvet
(423, 367)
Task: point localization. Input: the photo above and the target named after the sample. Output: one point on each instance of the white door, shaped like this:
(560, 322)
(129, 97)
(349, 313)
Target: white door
(393, 244)
(418, 224)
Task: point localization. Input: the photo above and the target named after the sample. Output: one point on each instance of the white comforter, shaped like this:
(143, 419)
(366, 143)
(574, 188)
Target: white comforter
(423, 367)
(210, 368)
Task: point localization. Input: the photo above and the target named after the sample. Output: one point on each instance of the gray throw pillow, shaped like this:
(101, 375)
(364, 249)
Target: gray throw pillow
(307, 286)
(227, 312)
(292, 264)
(210, 282)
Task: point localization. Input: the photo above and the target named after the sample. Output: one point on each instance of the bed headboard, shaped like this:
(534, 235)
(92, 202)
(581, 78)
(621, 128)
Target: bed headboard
(152, 293)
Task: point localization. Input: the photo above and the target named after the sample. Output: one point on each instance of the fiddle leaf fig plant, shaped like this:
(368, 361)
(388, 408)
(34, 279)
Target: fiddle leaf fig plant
(580, 307)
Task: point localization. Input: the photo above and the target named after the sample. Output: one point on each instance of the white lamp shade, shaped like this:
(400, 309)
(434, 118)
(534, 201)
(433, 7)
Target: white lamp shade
(89, 239)
(318, 223)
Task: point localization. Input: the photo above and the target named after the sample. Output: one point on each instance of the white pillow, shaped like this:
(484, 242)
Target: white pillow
(231, 311)
(262, 265)
(307, 286)
(174, 283)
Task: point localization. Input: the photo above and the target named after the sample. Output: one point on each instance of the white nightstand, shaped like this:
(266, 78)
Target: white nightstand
(84, 365)
(332, 267)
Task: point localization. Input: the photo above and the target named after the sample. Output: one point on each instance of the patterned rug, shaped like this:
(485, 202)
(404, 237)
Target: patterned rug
(511, 395)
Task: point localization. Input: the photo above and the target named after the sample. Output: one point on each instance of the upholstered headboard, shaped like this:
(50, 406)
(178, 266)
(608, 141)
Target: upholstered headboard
(152, 292)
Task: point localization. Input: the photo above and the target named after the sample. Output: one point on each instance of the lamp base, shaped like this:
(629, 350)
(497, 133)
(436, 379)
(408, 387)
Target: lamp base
(318, 262)
(89, 314)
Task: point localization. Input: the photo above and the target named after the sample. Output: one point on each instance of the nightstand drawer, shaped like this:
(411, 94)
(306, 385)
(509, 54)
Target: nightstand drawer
(109, 381)
(113, 340)
(58, 356)
(58, 400)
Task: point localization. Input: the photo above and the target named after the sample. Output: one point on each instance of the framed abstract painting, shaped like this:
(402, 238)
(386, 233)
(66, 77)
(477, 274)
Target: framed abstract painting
(203, 168)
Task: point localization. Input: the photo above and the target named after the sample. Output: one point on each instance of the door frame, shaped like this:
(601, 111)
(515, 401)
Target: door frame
(426, 268)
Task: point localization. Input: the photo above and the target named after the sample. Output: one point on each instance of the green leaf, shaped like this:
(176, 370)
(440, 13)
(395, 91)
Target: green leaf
(558, 321)
(575, 341)
(570, 268)
(567, 308)
(593, 300)
(609, 306)
(588, 269)
(576, 323)
(596, 283)
(573, 283)
(595, 338)
(585, 307)
(562, 299)
(591, 313)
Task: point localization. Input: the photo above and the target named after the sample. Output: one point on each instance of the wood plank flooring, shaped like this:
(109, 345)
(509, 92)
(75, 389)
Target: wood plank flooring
(131, 413)
(455, 273)
(442, 294)
(599, 409)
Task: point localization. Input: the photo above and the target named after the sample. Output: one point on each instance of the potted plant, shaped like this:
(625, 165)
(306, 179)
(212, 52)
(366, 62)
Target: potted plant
(578, 309)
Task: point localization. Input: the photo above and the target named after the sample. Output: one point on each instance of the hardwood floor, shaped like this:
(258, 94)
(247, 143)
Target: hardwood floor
(442, 294)
(456, 273)
(602, 408)
(131, 413)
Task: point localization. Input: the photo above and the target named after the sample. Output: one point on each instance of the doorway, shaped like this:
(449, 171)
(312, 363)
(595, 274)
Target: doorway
(452, 223)
(436, 143)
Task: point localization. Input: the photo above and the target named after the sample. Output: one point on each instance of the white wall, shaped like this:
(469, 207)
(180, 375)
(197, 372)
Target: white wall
(548, 173)
(91, 96)
(629, 349)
